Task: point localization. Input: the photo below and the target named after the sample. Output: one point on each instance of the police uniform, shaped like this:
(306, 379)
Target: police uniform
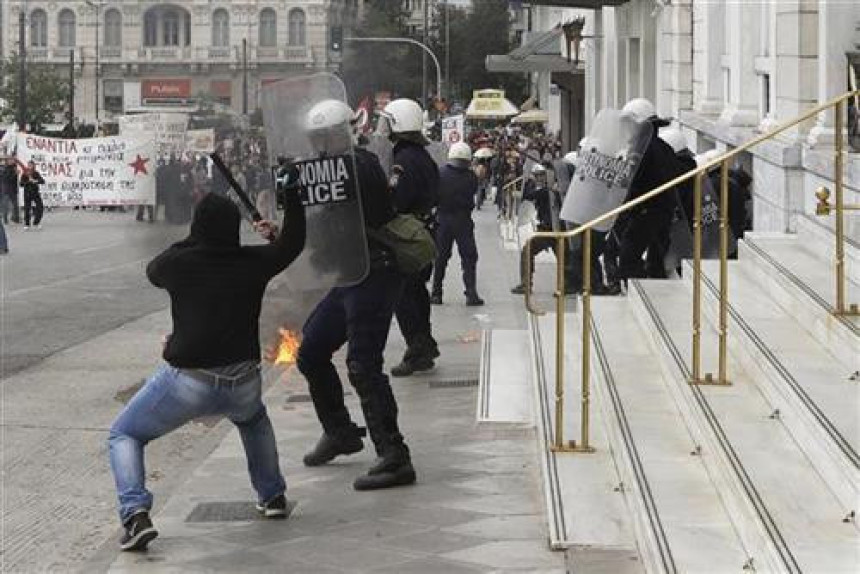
(359, 316)
(647, 226)
(415, 191)
(457, 188)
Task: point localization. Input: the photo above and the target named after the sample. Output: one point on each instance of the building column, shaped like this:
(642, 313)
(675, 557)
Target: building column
(741, 29)
(708, 48)
(795, 50)
(595, 70)
(837, 21)
(676, 37)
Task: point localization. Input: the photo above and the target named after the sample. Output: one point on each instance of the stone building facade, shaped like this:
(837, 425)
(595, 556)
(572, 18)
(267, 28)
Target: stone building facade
(729, 70)
(171, 53)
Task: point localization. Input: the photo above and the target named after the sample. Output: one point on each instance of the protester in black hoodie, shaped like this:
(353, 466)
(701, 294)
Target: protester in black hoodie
(212, 355)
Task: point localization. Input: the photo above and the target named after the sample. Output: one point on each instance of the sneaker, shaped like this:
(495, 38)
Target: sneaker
(139, 532)
(26, 228)
(275, 508)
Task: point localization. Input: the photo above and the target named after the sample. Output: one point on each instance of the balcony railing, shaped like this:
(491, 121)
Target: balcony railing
(185, 54)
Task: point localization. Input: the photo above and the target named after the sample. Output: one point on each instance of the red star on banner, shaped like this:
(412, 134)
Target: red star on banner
(139, 165)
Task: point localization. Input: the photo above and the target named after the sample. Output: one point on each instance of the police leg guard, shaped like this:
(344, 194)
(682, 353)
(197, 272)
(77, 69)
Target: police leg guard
(393, 466)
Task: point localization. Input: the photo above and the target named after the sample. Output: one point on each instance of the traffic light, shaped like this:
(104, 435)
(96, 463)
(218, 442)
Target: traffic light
(336, 39)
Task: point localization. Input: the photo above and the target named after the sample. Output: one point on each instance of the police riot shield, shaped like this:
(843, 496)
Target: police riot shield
(606, 165)
(439, 152)
(682, 228)
(309, 134)
(380, 146)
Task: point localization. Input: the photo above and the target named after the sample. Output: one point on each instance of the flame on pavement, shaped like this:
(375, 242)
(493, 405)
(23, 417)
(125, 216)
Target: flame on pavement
(286, 351)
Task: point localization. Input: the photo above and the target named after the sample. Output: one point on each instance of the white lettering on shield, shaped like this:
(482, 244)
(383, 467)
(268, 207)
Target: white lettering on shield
(324, 181)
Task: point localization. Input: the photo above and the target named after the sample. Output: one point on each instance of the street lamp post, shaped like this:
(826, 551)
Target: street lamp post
(97, 6)
(22, 71)
(424, 47)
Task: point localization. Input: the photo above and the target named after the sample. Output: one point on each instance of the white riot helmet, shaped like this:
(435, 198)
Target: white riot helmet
(640, 108)
(404, 116)
(570, 157)
(675, 138)
(460, 151)
(484, 153)
(331, 125)
(538, 169)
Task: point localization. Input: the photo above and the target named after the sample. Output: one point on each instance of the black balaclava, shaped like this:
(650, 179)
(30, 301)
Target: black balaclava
(216, 222)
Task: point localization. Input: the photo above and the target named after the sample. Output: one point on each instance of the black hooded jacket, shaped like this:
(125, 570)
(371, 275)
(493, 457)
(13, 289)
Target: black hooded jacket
(216, 285)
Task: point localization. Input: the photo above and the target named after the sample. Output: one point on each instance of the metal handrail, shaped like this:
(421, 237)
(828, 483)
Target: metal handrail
(698, 175)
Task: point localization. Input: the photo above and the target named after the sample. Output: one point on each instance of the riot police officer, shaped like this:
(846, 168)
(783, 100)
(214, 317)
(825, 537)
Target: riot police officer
(359, 316)
(458, 185)
(647, 226)
(415, 186)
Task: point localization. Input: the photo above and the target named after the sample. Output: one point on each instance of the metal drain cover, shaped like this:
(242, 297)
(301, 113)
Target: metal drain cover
(453, 383)
(299, 398)
(242, 511)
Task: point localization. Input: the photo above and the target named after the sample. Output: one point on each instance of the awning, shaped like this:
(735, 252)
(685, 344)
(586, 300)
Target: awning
(589, 4)
(535, 116)
(490, 105)
(506, 64)
(540, 53)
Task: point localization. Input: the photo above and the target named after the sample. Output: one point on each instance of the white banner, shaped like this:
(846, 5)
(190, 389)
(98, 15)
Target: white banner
(453, 129)
(167, 129)
(97, 171)
(200, 141)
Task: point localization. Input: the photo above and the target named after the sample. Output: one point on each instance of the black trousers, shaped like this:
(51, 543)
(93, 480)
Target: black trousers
(574, 267)
(458, 229)
(413, 315)
(538, 245)
(33, 205)
(647, 230)
(360, 317)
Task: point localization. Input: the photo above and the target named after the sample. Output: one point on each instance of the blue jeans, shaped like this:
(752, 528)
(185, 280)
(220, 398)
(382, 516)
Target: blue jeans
(168, 400)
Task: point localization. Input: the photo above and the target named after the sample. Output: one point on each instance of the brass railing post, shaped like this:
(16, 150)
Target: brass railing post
(696, 367)
(838, 183)
(584, 445)
(560, 444)
(840, 223)
(724, 271)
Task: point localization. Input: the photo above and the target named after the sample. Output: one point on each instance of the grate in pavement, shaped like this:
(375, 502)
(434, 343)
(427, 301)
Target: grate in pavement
(299, 398)
(453, 383)
(241, 511)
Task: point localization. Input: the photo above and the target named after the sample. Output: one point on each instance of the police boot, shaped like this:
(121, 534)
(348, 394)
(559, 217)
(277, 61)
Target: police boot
(418, 357)
(331, 445)
(393, 466)
(473, 299)
(436, 297)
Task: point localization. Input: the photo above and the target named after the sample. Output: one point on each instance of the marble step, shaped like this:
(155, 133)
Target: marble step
(504, 386)
(803, 283)
(817, 233)
(585, 507)
(809, 386)
(788, 518)
(680, 521)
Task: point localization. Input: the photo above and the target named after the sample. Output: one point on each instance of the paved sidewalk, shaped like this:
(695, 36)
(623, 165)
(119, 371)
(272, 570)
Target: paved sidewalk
(477, 506)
